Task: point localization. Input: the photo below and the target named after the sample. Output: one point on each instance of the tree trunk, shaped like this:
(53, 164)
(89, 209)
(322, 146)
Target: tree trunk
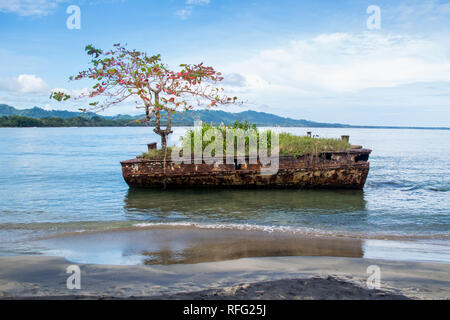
(163, 140)
(163, 133)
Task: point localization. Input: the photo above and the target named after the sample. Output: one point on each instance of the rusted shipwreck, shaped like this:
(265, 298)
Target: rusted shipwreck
(338, 170)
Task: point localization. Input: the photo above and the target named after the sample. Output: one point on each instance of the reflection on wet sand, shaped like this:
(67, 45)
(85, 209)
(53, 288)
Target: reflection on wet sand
(187, 245)
(242, 203)
(254, 245)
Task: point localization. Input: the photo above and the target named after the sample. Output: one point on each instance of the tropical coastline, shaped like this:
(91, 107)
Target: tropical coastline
(224, 150)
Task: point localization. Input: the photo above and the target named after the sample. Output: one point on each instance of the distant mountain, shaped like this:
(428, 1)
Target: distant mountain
(259, 118)
(186, 118)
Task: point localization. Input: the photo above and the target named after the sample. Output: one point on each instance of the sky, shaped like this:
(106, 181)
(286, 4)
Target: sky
(327, 61)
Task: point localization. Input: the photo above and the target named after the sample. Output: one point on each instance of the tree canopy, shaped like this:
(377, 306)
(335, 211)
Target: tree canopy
(121, 74)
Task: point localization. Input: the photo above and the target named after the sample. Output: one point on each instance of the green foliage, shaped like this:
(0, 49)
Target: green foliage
(289, 144)
(243, 126)
(92, 51)
(59, 96)
(18, 121)
(156, 154)
(300, 145)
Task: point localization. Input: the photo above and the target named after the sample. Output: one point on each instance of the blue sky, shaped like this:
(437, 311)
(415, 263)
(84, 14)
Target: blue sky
(314, 60)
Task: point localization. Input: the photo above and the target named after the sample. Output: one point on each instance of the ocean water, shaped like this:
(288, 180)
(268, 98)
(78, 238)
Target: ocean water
(55, 180)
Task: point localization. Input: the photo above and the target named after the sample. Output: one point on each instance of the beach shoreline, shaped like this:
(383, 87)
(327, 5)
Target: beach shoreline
(43, 277)
(187, 262)
(191, 244)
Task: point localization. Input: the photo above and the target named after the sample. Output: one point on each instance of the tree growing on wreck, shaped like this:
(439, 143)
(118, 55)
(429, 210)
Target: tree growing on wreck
(122, 74)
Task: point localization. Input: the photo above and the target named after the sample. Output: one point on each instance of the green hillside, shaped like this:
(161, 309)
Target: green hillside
(186, 118)
(37, 113)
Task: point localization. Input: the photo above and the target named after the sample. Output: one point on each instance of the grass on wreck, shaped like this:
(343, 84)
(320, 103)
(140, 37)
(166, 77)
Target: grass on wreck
(300, 145)
(290, 145)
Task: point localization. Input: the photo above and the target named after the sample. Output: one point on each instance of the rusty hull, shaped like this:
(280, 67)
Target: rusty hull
(347, 170)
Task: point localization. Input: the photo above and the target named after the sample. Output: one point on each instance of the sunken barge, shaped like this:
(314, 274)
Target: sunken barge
(333, 170)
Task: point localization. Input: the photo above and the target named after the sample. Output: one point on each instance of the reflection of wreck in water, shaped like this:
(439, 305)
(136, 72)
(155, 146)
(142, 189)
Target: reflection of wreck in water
(163, 244)
(338, 170)
(242, 203)
(219, 245)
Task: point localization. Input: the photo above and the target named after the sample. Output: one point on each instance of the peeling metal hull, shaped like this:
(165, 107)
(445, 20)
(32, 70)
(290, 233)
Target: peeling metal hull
(338, 170)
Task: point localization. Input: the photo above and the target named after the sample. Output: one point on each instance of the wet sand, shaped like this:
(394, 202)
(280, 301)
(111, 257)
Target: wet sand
(250, 278)
(190, 263)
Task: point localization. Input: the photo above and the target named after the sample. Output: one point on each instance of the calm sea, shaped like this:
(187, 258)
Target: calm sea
(56, 180)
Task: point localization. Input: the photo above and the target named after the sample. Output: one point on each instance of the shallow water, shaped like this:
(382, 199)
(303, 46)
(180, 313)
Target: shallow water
(69, 179)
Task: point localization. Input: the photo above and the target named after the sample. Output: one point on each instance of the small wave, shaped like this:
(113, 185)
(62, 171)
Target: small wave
(390, 184)
(228, 226)
(74, 226)
(413, 188)
(428, 187)
(310, 232)
(409, 185)
(80, 228)
(383, 183)
(439, 189)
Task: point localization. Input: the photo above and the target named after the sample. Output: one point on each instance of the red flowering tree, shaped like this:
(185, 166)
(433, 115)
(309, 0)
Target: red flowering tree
(121, 74)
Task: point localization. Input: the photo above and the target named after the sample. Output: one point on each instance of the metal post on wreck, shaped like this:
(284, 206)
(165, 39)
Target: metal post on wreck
(152, 146)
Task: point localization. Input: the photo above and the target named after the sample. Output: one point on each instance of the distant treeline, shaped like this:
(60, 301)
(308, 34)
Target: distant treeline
(96, 121)
(19, 121)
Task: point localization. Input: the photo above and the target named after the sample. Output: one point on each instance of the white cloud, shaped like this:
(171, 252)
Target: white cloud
(187, 11)
(419, 9)
(197, 2)
(184, 13)
(234, 80)
(73, 92)
(29, 7)
(343, 62)
(24, 84)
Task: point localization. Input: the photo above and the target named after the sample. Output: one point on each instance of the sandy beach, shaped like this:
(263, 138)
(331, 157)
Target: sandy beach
(248, 278)
(185, 262)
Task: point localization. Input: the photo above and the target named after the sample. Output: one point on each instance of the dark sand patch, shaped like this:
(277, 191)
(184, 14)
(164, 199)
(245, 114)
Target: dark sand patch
(329, 288)
(326, 277)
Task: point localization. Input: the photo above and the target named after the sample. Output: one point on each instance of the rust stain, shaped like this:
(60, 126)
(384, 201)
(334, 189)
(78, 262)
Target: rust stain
(347, 169)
